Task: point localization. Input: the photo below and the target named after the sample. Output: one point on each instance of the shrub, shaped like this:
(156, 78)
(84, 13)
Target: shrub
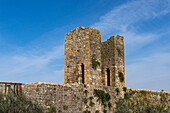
(95, 63)
(117, 90)
(121, 107)
(52, 109)
(97, 111)
(91, 104)
(85, 100)
(65, 107)
(121, 76)
(103, 97)
(124, 89)
(18, 104)
(109, 105)
(104, 111)
(87, 111)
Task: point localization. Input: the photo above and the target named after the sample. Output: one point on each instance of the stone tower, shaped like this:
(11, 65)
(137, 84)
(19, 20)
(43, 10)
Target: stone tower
(90, 61)
(81, 46)
(112, 58)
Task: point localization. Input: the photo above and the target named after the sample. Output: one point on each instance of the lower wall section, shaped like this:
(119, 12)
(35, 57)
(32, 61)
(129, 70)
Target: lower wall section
(77, 98)
(69, 98)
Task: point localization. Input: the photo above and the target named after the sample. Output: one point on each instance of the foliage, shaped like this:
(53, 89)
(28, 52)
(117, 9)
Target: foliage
(104, 111)
(97, 111)
(121, 107)
(109, 105)
(103, 98)
(121, 76)
(65, 107)
(85, 100)
(18, 104)
(95, 63)
(87, 111)
(91, 104)
(37, 89)
(143, 92)
(124, 89)
(141, 105)
(52, 109)
(117, 90)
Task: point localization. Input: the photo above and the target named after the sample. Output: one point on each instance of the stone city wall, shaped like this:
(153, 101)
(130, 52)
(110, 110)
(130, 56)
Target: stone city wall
(77, 98)
(68, 98)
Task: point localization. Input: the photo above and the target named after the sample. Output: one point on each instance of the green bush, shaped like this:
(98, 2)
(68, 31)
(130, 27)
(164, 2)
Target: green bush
(97, 111)
(18, 104)
(117, 90)
(121, 76)
(109, 105)
(52, 109)
(124, 89)
(87, 111)
(85, 100)
(95, 63)
(104, 111)
(65, 107)
(103, 97)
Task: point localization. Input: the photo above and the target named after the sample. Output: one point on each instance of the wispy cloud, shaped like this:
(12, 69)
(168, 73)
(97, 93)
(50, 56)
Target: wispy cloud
(33, 68)
(122, 19)
(151, 72)
(127, 14)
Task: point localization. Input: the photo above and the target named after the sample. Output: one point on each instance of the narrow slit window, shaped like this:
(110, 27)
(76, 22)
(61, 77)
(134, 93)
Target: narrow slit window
(82, 71)
(108, 77)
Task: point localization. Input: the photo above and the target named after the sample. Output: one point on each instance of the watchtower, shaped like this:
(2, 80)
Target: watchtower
(90, 61)
(81, 46)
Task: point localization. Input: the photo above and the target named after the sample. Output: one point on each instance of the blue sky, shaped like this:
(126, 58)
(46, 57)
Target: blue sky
(32, 38)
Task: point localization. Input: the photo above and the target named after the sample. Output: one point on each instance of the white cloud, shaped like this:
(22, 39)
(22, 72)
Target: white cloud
(29, 67)
(123, 16)
(150, 72)
(121, 20)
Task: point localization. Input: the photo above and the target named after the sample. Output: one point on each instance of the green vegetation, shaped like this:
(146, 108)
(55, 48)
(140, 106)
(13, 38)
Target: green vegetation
(87, 111)
(59, 111)
(85, 100)
(124, 89)
(37, 89)
(104, 111)
(103, 98)
(91, 101)
(141, 102)
(117, 90)
(18, 104)
(109, 105)
(121, 76)
(97, 111)
(52, 109)
(65, 107)
(95, 63)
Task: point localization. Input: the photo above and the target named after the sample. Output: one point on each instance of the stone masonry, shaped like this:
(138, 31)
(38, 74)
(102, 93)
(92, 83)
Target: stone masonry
(91, 65)
(90, 61)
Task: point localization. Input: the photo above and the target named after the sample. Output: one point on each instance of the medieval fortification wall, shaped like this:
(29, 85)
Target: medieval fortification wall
(77, 98)
(94, 78)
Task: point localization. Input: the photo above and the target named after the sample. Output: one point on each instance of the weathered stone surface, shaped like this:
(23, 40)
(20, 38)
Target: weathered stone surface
(72, 96)
(82, 46)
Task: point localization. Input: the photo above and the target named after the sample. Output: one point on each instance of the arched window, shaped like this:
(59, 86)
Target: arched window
(82, 71)
(108, 76)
